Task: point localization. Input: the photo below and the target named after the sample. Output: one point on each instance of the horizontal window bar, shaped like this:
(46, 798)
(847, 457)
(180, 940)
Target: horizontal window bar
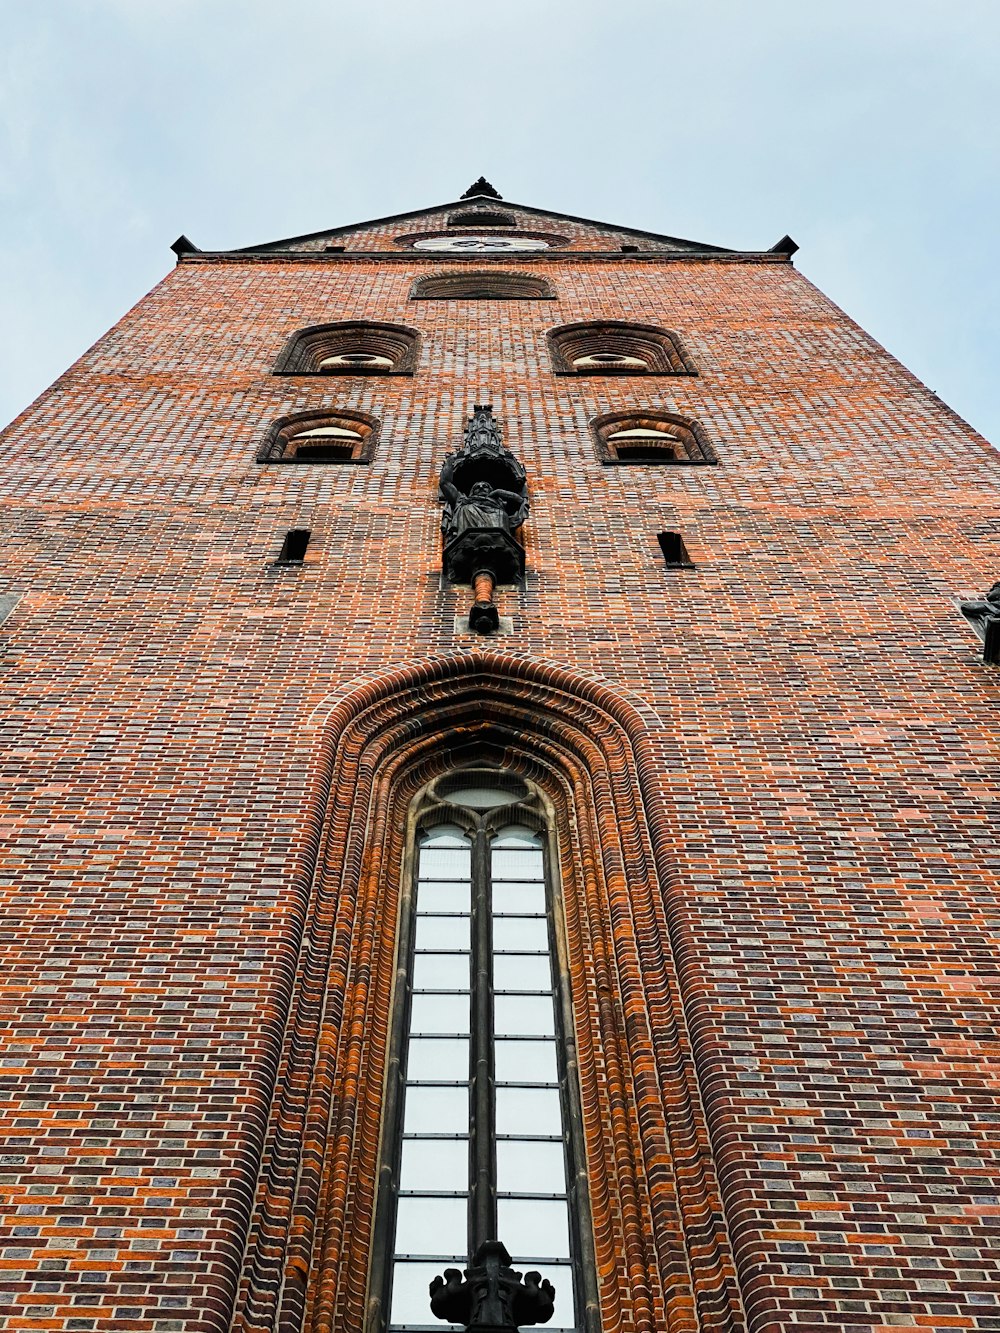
(430, 1134)
(526, 1138)
(507, 1084)
(451, 1083)
(421, 990)
(461, 1194)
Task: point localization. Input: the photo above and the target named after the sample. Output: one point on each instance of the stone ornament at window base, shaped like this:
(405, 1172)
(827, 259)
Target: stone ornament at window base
(485, 493)
(984, 616)
(492, 1296)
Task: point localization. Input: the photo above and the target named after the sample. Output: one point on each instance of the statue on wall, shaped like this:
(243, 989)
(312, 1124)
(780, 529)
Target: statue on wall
(485, 493)
(984, 615)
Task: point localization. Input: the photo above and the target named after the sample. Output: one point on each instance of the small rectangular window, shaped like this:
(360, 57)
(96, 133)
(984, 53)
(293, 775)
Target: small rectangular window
(675, 553)
(293, 548)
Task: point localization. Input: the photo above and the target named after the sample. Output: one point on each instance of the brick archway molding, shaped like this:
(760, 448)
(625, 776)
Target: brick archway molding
(653, 1191)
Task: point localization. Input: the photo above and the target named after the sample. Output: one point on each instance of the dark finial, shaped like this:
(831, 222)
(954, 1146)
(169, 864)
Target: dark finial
(786, 246)
(493, 1296)
(182, 246)
(482, 186)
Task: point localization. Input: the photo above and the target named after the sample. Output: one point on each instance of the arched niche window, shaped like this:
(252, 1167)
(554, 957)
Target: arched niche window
(613, 347)
(481, 217)
(320, 437)
(481, 1140)
(651, 437)
(486, 286)
(351, 347)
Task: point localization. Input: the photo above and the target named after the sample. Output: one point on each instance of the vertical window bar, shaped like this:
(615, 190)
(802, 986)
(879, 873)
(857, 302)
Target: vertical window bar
(482, 1199)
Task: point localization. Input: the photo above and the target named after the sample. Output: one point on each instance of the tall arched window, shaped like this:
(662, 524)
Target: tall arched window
(480, 1139)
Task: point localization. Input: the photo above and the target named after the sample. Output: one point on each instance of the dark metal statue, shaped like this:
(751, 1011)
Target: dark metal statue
(492, 1296)
(485, 494)
(985, 616)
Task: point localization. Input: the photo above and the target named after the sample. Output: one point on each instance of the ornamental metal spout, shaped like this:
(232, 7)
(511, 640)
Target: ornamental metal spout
(492, 1296)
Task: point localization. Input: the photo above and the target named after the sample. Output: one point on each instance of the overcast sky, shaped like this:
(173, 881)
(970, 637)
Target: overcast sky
(867, 129)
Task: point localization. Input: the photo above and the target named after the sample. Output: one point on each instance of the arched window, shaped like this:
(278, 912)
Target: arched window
(351, 347)
(320, 437)
(489, 286)
(481, 1140)
(613, 347)
(481, 217)
(651, 436)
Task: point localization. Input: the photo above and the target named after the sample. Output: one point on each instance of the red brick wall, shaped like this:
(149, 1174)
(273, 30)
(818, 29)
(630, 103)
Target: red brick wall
(819, 793)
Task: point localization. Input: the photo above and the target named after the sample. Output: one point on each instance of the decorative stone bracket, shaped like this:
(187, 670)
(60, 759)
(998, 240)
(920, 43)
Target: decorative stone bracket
(492, 1296)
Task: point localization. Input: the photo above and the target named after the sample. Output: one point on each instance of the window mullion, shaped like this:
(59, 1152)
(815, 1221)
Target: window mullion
(482, 1144)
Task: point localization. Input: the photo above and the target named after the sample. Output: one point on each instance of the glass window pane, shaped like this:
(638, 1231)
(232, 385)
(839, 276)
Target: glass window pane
(435, 897)
(530, 1168)
(517, 835)
(518, 971)
(523, 1016)
(514, 898)
(444, 835)
(437, 1111)
(436, 1164)
(430, 1058)
(528, 1111)
(441, 971)
(442, 932)
(525, 1062)
(445, 863)
(487, 798)
(516, 864)
(439, 1013)
(411, 1302)
(534, 1226)
(512, 932)
(432, 1226)
(561, 1277)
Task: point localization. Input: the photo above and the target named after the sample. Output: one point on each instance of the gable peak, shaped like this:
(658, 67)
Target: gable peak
(481, 187)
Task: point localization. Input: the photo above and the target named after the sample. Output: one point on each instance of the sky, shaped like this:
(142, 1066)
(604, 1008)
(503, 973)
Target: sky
(869, 130)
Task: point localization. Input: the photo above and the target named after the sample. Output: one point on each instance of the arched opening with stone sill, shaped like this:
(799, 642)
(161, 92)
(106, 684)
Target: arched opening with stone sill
(488, 286)
(350, 347)
(319, 437)
(615, 347)
(658, 1245)
(651, 436)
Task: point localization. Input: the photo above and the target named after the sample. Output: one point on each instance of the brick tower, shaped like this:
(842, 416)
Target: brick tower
(496, 757)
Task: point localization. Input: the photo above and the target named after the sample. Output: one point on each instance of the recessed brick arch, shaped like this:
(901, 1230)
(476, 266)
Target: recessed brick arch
(653, 1194)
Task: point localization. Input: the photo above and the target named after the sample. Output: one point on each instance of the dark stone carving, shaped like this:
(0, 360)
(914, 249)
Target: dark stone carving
(492, 1296)
(985, 617)
(485, 494)
(481, 186)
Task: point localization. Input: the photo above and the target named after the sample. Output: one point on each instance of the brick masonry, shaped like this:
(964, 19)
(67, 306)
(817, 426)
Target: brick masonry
(781, 766)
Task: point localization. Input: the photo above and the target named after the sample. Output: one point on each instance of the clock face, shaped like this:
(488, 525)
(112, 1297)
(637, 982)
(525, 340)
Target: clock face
(477, 244)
